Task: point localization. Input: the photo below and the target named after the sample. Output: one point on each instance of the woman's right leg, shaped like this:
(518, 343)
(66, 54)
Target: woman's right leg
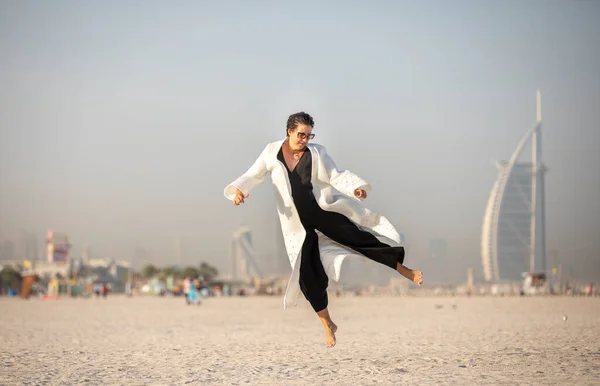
(313, 283)
(313, 278)
(329, 326)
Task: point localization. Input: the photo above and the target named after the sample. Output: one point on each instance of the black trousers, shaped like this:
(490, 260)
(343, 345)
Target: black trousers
(313, 278)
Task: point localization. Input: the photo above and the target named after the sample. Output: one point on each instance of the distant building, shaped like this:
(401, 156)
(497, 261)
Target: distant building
(243, 256)
(32, 248)
(58, 247)
(7, 251)
(513, 232)
(45, 269)
(108, 271)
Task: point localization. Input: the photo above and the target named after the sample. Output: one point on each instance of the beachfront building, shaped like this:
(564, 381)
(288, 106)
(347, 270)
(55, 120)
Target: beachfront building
(243, 256)
(513, 231)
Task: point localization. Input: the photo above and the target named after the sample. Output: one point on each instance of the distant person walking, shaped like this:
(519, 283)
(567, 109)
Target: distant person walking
(186, 288)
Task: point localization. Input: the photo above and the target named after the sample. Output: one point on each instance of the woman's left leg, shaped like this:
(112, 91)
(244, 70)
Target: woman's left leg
(342, 230)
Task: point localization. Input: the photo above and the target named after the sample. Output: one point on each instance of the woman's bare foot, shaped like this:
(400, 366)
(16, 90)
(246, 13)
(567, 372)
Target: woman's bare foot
(330, 335)
(330, 327)
(412, 275)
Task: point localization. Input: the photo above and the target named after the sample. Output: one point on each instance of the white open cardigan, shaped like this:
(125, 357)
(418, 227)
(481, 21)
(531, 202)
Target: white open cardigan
(334, 191)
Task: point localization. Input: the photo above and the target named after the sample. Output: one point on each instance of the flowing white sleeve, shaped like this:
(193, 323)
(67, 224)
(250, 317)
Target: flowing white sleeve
(251, 178)
(343, 180)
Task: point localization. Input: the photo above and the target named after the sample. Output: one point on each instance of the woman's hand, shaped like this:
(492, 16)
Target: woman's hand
(360, 193)
(239, 197)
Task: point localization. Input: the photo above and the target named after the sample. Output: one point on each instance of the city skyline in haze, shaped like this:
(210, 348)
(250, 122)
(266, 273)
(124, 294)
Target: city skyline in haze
(121, 123)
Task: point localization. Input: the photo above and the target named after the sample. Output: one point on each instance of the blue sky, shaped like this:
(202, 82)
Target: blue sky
(121, 122)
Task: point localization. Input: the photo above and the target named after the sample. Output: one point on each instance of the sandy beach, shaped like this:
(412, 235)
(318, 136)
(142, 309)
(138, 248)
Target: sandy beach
(385, 340)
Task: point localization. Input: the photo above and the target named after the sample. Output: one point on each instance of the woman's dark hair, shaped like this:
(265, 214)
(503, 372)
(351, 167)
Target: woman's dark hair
(300, 118)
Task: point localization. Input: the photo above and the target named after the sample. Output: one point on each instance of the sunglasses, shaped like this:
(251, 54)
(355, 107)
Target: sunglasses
(304, 136)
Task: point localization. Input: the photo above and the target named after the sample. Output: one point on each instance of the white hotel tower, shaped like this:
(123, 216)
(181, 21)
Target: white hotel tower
(513, 238)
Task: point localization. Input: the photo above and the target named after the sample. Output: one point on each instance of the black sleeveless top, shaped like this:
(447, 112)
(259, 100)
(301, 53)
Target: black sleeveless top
(300, 181)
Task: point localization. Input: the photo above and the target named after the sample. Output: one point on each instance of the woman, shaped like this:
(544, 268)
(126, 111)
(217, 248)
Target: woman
(321, 214)
(192, 296)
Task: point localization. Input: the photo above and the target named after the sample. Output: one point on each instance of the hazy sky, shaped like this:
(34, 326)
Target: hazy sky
(122, 122)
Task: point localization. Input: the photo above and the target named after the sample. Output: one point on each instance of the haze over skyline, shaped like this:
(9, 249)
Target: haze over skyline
(121, 123)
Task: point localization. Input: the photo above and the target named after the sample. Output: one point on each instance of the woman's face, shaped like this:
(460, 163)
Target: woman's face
(299, 137)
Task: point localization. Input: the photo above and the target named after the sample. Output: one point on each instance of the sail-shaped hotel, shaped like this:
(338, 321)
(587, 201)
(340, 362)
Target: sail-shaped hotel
(513, 239)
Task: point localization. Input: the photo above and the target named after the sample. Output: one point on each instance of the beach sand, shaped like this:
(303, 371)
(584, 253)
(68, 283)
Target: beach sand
(385, 340)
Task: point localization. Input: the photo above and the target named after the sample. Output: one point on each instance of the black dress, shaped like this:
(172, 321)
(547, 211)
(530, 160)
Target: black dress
(313, 278)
